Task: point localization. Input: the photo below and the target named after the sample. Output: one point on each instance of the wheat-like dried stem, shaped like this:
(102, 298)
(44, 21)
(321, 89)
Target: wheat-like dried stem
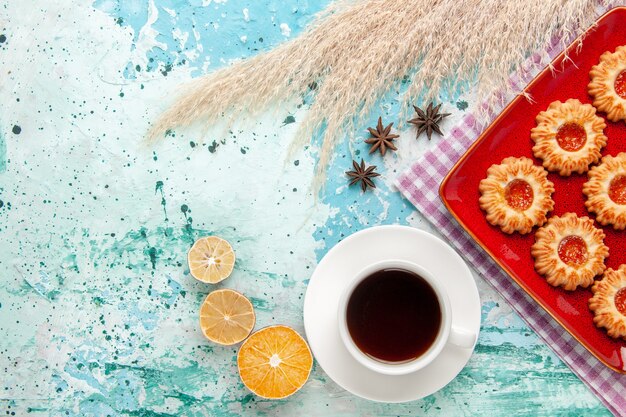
(356, 51)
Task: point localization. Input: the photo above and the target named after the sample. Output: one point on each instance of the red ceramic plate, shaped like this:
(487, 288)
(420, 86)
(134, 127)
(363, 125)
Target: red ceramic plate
(509, 135)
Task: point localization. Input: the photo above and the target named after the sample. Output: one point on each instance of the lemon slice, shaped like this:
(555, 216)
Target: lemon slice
(274, 362)
(211, 259)
(226, 317)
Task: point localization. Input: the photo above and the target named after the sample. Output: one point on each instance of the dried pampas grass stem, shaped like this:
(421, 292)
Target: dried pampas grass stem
(356, 51)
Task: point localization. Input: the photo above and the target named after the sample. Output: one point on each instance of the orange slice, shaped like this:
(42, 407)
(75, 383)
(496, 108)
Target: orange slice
(226, 317)
(211, 259)
(274, 362)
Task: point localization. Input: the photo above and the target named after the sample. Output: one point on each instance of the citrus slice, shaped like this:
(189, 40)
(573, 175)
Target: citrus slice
(226, 317)
(274, 362)
(211, 259)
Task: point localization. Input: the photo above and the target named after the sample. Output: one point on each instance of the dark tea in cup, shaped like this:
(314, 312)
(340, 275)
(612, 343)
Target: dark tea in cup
(393, 315)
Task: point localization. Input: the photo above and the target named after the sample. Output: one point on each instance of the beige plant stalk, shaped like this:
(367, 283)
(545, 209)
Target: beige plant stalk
(356, 51)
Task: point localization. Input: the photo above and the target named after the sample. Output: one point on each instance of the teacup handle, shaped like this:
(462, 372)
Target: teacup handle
(462, 338)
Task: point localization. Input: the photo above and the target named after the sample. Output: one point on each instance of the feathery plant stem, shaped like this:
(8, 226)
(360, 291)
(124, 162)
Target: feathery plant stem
(356, 51)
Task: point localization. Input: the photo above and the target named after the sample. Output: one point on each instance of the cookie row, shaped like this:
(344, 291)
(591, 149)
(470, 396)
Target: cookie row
(517, 195)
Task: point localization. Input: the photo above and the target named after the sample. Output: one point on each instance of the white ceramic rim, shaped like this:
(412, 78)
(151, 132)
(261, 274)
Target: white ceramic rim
(401, 368)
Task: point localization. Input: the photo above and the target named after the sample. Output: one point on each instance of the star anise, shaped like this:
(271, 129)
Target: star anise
(381, 139)
(428, 121)
(363, 174)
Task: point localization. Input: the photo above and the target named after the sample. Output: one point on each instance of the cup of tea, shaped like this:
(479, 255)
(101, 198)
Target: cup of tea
(395, 318)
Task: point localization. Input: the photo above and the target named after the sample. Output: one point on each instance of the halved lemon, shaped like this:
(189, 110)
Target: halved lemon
(274, 362)
(226, 317)
(211, 259)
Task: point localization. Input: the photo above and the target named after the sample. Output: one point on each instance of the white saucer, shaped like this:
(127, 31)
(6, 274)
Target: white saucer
(346, 259)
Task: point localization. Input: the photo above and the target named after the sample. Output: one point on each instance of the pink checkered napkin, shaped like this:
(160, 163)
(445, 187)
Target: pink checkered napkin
(420, 185)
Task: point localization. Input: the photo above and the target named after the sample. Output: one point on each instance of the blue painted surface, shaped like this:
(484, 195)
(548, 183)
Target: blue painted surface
(3, 153)
(98, 312)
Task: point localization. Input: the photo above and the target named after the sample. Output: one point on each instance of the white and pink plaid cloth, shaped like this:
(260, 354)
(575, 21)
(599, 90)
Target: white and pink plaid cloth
(420, 185)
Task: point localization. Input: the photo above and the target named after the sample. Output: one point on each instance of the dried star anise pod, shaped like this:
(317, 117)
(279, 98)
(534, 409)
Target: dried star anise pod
(428, 121)
(381, 139)
(363, 174)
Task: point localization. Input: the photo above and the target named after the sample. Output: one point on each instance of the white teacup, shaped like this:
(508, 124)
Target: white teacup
(447, 333)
